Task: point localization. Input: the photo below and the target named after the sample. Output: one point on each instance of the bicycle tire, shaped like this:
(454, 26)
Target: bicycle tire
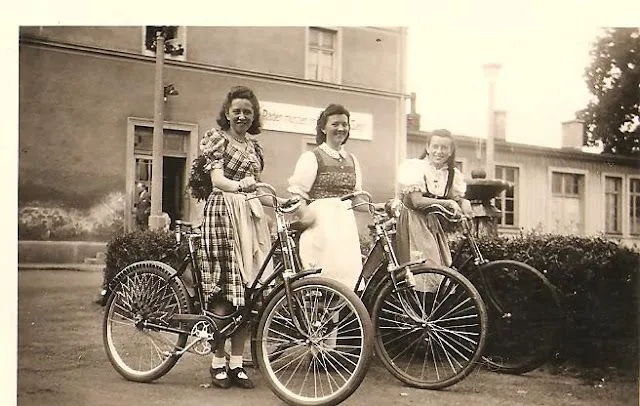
(448, 341)
(340, 342)
(144, 291)
(525, 333)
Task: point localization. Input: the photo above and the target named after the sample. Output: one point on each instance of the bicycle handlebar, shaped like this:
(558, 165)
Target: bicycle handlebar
(356, 194)
(448, 215)
(286, 207)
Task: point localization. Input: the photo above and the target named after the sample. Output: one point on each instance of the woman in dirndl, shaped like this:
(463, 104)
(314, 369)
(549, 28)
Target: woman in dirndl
(430, 179)
(235, 237)
(321, 177)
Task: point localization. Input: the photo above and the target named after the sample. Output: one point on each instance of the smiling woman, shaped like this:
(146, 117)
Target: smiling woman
(321, 177)
(235, 235)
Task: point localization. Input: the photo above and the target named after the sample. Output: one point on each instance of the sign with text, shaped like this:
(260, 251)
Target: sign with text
(302, 119)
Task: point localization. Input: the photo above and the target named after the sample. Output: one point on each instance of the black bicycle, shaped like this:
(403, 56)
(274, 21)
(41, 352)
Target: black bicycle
(526, 319)
(311, 337)
(430, 322)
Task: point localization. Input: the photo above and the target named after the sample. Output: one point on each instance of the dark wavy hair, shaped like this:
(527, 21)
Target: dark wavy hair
(451, 162)
(240, 92)
(331, 110)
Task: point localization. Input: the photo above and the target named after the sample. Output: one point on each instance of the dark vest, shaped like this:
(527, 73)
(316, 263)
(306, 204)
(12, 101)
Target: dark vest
(334, 178)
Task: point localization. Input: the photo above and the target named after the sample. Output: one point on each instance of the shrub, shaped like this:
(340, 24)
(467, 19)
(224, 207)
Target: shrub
(597, 280)
(136, 246)
(53, 221)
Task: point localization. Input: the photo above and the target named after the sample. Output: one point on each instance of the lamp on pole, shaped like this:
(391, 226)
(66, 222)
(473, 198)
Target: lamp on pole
(156, 221)
(491, 71)
(482, 188)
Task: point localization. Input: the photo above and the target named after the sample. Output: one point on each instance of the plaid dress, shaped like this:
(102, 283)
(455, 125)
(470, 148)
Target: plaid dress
(221, 276)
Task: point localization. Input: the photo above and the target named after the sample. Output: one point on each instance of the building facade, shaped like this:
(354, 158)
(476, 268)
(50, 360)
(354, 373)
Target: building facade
(556, 190)
(86, 112)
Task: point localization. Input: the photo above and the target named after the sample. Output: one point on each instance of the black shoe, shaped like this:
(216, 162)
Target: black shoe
(219, 382)
(102, 297)
(240, 382)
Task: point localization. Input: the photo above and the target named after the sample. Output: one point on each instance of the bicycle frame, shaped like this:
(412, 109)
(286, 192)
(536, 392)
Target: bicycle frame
(288, 272)
(383, 250)
(460, 263)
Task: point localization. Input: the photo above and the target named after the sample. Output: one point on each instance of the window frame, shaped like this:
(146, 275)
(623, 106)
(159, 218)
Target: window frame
(517, 206)
(582, 197)
(627, 198)
(622, 206)
(337, 55)
(182, 37)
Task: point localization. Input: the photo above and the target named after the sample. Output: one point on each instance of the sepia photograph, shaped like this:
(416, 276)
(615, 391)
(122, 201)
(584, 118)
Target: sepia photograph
(438, 204)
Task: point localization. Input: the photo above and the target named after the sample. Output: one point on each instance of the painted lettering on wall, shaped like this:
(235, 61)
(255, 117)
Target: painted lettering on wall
(302, 119)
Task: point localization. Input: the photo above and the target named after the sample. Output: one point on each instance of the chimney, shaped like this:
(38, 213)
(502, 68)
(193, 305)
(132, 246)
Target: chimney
(573, 134)
(500, 117)
(413, 118)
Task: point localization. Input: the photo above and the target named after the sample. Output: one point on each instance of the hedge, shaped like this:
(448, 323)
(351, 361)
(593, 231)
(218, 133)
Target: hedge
(597, 280)
(598, 284)
(136, 246)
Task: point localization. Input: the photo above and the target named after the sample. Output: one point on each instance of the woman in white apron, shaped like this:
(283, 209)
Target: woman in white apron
(321, 177)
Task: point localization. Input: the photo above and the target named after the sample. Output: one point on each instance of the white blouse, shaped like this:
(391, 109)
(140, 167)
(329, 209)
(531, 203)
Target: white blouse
(413, 172)
(304, 174)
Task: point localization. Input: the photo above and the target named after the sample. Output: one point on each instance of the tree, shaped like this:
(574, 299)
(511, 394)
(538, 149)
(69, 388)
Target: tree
(612, 117)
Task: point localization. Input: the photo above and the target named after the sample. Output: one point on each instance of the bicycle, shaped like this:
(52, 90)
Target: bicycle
(151, 320)
(430, 322)
(526, 318)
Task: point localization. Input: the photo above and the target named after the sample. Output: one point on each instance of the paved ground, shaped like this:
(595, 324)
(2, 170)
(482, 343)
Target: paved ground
(61, 361)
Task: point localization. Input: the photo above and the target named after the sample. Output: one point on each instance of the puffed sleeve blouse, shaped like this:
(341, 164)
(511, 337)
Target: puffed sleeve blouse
(413, 173)
(212, 146)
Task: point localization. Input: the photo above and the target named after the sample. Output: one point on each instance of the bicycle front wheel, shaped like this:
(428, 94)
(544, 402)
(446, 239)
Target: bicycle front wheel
(144, 297)
(326, 362)
(430, 336)
(525, 316)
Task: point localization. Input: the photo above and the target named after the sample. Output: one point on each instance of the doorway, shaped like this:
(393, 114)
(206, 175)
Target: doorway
(180, 145)
(173, 187)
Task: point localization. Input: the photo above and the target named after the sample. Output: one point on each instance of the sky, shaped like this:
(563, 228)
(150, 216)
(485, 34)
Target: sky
(540, 84)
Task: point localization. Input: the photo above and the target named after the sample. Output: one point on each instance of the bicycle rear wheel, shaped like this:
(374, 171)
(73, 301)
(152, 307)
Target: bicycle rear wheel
(327, 363)
(144, 293)
(525, 316)
(442, 345)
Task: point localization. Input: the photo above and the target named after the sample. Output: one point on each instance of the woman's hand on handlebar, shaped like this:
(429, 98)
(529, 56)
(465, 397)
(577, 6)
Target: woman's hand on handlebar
(452, 206)
(247, 184)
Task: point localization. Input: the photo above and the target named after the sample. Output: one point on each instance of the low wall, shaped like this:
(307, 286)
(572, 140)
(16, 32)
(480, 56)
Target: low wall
(58, 252)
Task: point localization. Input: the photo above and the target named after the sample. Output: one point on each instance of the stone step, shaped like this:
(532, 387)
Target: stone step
(99, 259)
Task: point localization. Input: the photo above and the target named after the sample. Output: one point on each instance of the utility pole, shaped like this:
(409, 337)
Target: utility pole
(156, 221)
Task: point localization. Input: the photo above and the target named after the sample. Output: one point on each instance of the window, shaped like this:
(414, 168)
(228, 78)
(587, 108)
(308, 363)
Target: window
(143, 171)
(634, 206)
(175, 41)
(506, 201)
(567, 203)
(613, 203)
(322, 55)
(566, 184)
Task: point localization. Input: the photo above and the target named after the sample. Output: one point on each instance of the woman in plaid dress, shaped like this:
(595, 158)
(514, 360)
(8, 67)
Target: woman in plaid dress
(235, 237)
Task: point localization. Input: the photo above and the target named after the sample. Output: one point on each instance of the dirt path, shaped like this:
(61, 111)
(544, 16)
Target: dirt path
(61, 361)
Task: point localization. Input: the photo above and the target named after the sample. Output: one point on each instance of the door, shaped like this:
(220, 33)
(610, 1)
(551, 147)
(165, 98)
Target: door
(173, 187)
(174, 196)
